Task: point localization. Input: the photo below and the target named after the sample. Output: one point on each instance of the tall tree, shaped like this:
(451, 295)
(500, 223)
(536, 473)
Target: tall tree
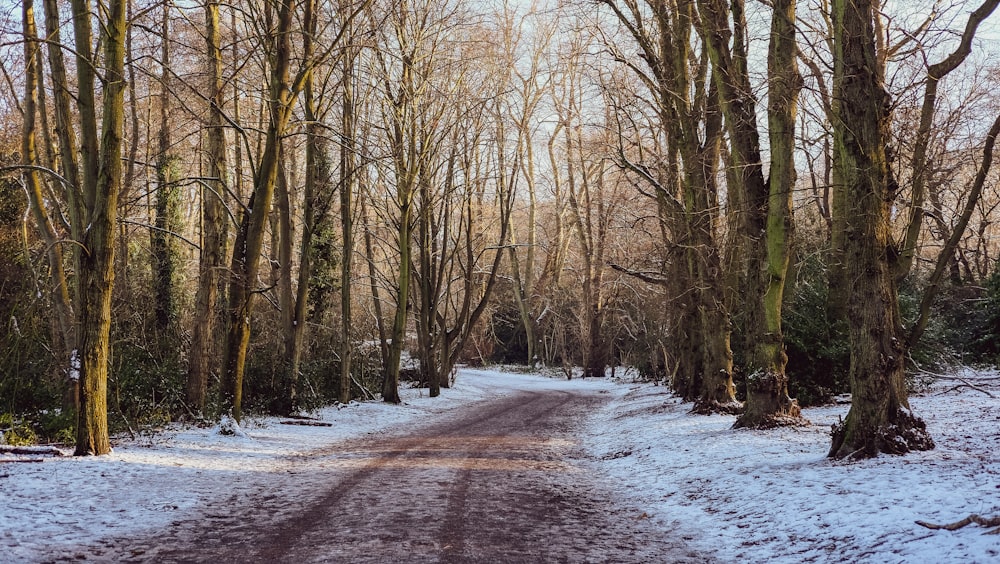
(682, 182)
(213, 190)
(250, 237)
(348, 183)
(406, 63)
(767, 219)
(102, 184)
(34, 183)
(163, 246)
(880, 419)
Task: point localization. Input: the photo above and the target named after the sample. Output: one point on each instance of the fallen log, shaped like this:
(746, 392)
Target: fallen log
(40, 450)
(307, 423)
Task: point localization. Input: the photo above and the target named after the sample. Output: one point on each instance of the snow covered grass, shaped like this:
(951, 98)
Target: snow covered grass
(754, 496)
(773, 496)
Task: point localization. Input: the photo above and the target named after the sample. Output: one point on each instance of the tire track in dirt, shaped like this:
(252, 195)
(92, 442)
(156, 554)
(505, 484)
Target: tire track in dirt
(502, 481)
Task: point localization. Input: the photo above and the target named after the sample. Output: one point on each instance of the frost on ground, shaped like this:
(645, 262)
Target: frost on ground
(773, 496)
(741, 495)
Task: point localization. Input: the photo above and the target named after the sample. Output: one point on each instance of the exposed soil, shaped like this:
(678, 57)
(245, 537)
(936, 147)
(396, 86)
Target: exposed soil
(503, 481)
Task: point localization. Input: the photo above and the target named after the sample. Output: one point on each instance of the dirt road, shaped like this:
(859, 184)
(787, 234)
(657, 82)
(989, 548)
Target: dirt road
(503, 481)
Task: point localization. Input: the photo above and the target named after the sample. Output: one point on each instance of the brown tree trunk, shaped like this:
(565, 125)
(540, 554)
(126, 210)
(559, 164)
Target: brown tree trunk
(65, 338)
(250, 238)
(211, 258)
(880, 419)
(286, 294)
(97, 263)
(347, 186)
(767, 218)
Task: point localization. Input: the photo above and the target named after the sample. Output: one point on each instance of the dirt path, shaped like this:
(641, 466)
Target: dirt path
(503, 481)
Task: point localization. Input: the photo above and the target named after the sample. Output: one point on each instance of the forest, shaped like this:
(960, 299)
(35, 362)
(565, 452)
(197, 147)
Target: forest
(210, 209)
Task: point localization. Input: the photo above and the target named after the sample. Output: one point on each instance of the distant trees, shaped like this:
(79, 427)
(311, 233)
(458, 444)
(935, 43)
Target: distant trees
(360, 192)
(678, 166)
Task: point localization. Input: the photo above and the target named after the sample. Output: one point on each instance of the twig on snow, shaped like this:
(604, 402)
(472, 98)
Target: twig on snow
(991, 522)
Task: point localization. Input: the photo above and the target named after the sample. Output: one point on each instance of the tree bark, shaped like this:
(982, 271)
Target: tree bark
(250, 238)
(163, 248)
(880, 419)
(768, 217)
(62, 304)
(97, 263)
(211, 258)
(347, 186)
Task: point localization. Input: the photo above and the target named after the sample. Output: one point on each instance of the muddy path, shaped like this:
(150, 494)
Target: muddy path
(501, 481)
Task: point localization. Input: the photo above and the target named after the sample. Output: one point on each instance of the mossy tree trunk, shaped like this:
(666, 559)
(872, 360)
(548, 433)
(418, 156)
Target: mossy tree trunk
(250, 237)
(768, 214)
(683, 182)
(165, 259)
(880, 419)
(69, 160)
(101, 199)
(65, 329)
(767, 401)
(65, 322)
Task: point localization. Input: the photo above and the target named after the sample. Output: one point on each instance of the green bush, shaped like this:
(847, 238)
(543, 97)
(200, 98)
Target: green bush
(16, 432)
(817, 346)
(982, 338)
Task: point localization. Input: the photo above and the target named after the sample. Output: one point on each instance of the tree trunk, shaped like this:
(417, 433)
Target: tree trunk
(397, 336)
(97, 263)
(880, 419)
(769, 215)
(65, 338)
(163, 248)
(85, 101)
(286, 296)
(212, 253)
(250, 239)
(347, 184)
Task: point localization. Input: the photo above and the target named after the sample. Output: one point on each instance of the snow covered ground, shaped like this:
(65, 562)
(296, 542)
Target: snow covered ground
(751, 496)
(773, 496)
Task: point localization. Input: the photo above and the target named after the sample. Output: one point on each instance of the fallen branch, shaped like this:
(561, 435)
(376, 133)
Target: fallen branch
(992, 522)
(364, 390)
(51, 450)
(6, 460)
(306, 422)
(302, 417)
(965, 384)
(979, 377)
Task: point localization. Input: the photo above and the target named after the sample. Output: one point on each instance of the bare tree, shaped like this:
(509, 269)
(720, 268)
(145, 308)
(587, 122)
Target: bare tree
(35, 185)
(682, 181)
(213, 192)
(250, 237)
(102, 184)
(880, 419)
(767, 217)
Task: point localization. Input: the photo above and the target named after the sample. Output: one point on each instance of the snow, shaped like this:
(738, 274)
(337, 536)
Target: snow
(74, 366)
(773, 496)
(738, 495)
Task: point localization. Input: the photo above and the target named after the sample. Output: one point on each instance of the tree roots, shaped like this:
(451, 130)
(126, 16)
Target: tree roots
(712, 407)
(902, 434)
